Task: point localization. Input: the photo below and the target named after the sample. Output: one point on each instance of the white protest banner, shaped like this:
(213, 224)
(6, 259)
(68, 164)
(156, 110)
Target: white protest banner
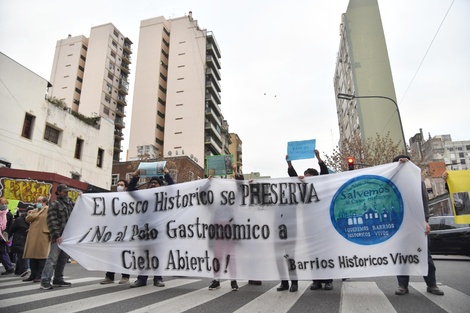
(361, 223)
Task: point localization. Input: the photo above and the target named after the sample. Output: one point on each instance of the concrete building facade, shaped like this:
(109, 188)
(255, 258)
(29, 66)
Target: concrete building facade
(40, 135)
(91, 76)
(363, 73)
(176, 102)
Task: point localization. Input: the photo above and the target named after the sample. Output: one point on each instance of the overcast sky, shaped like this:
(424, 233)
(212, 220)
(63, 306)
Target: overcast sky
(278, 61)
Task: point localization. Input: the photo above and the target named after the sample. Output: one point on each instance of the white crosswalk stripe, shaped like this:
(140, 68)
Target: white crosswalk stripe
(363, 296)
(453, 301)
(186, 293)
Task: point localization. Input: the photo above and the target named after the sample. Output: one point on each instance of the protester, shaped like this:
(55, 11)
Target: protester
(57, 216)
(6, 219)
(19, 231)
(109, 278)
(221, 247)
(153, 183)
(317, 284)
(38, 240)
(430, 279)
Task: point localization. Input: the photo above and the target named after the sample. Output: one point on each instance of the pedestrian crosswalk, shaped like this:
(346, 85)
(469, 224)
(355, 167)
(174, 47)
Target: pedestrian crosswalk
(191, 294)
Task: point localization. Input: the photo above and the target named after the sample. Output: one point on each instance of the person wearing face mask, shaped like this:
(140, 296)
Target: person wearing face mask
(18, 231)
(154, 182)
(6, 219)
(109, 278)
(38, 240)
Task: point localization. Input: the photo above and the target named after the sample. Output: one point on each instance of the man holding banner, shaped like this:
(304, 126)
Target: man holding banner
(430, 278)
(153, 183)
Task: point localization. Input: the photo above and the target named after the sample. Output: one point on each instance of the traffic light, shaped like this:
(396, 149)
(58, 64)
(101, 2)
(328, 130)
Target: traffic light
(350, 163)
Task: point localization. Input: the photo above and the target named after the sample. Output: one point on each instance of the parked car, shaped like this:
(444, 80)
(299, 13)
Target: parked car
(446, 237)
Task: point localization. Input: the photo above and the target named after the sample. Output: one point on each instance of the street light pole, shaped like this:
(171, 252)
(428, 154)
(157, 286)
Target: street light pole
(350, 97)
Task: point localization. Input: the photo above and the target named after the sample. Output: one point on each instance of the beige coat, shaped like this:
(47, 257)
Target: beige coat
(38, 239)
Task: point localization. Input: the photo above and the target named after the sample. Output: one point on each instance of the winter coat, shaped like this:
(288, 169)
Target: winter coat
(19, 231)
(58, 215)
(38, 239)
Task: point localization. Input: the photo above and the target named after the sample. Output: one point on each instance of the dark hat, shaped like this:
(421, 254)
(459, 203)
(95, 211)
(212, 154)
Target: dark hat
(402, 156)
(29, 208)
(60, 188)
(157, 179)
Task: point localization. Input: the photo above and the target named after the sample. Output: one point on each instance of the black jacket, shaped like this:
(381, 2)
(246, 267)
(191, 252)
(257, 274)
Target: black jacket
(19, 231)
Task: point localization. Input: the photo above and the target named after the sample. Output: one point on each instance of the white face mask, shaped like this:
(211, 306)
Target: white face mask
(120, 188)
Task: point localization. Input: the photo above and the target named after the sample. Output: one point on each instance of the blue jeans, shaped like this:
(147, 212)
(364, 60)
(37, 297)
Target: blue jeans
(430, 279)
(55, 265)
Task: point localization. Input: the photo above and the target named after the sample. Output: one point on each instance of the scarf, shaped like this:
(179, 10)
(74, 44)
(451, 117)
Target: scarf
(3, 220)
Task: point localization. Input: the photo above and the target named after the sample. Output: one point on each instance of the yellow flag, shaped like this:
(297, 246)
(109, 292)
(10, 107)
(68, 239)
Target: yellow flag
(459, 189)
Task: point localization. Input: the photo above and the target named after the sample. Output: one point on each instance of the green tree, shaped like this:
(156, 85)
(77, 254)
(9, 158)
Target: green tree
(366, 153)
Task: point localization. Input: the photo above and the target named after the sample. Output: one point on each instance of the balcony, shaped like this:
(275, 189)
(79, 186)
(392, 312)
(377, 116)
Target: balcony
(120, 111)
(211, 83)
(118, 122)
(212, 61)
(214, 73)
(212, 96)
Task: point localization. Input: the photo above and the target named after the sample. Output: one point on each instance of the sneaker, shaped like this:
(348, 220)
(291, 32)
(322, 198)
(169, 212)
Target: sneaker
(215, 285)
(8, 272)
(158, 283)
(61, 284)
(24, 273)
(30, 278)
(283, 287)
(106, 281)
(124, 280)
(328, 286)
(46, 286)
(402, 290)
(435, 290)
(234, 285)
(138, 283)
(294, 288)
(255, 282)
(315, 285)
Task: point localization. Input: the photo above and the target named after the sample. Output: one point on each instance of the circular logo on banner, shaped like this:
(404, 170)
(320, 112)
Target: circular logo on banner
(367, 209)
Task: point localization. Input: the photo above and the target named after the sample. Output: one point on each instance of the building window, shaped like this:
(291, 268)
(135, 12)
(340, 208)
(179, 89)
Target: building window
(81, 68)
(83, 57)
(115, 32)
(114, 179)
(110, 88)
(28, 125)
(164, 53)
(99, 158)
(51, 134)
(79, 79)
(84, 47)
(78, 149)
(110, 75)
(77, 90)
(107, 99)
(106, 110)
(114, 44)
(160, 114)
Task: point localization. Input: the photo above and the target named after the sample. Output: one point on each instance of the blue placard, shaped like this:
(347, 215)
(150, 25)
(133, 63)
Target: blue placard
(219, 165)
(299, 150)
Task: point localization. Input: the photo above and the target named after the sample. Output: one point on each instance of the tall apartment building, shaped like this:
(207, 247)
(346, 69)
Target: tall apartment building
(363, 77)
(91, 75)
(176, 105)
